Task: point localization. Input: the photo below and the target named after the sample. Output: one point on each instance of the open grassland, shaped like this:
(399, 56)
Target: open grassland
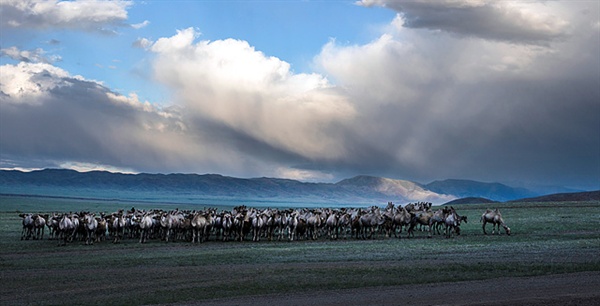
(548, 238)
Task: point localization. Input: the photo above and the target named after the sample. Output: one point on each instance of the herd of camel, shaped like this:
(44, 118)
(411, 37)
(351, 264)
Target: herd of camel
(243, 222)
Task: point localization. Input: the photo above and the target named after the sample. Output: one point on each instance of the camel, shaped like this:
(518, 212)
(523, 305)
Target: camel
(292, 226)
(101, 228)
(67, 229)
(210, 223)
(117, 223)
(313, 221)
(241, 222)
(494, 217)
(354, 223)
(422, 218)
(401, 218)
(52, 224)
(279, 224)
(146, 225)
(226, 225)
(438, 219)
(344, 224)
(90, 224)
(370, 221)
(388, 224)
(39, 223)
(452, 222)
(269, 216)
(199, 224)
(27, 231)
(258, 224)
(332, 224)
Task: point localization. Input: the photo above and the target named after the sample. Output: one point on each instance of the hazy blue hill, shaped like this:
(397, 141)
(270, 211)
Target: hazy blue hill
(468, 188)
(212, 188)
(180, 188)
(360, 181)
(565, 197)
(470, 200)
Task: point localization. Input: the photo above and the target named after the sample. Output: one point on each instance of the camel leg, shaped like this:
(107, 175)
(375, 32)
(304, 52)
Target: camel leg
(410, 231)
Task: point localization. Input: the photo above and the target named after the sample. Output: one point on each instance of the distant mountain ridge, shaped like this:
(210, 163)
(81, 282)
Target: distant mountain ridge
(470, 200)
(393, 188)
(359, 190)
(212, 187)
(566, 197)
(468, 188)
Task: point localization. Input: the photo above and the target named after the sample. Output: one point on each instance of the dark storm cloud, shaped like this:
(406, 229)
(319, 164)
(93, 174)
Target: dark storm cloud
(537, 131)
(475, 109)
(496, 20)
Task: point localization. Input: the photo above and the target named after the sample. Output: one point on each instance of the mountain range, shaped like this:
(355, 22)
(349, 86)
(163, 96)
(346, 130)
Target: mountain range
(467, 188)
(214, 188)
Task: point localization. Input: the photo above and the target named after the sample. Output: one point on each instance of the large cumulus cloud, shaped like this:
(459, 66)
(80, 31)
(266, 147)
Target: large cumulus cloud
(262, 124)
(257, 97)
(90, 15)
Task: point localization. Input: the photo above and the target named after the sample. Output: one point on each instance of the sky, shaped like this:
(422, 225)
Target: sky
(495, 91)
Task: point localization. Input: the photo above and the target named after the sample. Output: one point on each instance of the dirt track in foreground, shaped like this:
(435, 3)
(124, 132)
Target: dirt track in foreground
(560, 289)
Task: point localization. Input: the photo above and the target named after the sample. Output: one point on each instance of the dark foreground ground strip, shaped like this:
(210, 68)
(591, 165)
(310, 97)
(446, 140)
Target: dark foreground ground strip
(560, 289)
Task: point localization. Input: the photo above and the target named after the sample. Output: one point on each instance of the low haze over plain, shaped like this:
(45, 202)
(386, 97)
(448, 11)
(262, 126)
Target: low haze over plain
(505, 91)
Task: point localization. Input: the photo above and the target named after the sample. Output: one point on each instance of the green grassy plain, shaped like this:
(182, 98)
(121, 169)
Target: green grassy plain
(548, 238)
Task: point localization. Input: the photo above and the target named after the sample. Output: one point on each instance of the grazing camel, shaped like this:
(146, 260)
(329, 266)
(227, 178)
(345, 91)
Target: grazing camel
(52, 224)
(494, 217)
(227, 225)
(39, 223)
(313, 221)
(401, 219)
(438, 219)
(452, 222)
(354, 223)
(146, 225)
(27, 231)
(241, 222)
(66, 228)
(91, 225)
(269, 216)
(332, 224)
(101, 228)
(370, 221)
(345, 224)
(118, 223)
(292, 226)
(199, 224)
(258, 224)
(279, 224)
(422, 218)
